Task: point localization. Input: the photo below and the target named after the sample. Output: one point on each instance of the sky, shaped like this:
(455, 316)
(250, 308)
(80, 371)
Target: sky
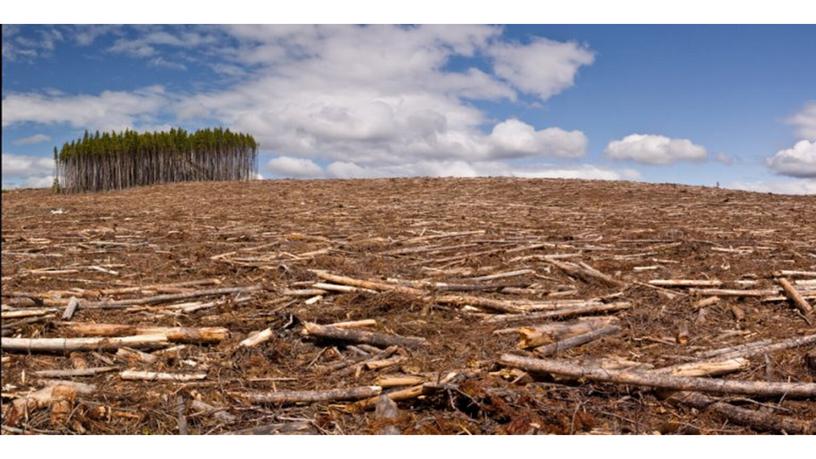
(701, 105)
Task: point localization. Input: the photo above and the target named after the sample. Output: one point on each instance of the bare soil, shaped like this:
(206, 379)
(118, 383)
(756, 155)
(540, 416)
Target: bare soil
(274, 232)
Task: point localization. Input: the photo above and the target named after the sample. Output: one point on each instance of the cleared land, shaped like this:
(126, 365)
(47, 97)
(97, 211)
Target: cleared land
(225, 308)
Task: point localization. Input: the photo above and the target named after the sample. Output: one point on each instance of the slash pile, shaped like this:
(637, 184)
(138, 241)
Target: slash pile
(413, 306)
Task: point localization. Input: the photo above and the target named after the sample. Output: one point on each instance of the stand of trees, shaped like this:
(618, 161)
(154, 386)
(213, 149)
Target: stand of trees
(115, 160)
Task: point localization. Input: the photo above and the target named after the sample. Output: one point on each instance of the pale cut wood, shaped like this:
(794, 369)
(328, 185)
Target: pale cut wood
(170, 297)
(371, 285)
(550, 333)
(398, 381)
(202, 335)
(520, 272)
(796, 297)
(136, 375)
(794, 273)
(361, 336)
(81, 344)
(355, 323)
(685, 283)
(561, 313)
(311, 396)
(724, 292)
(70, 309)
(22, 313)
(398, 395)
(488, 303)
(304, 292)
(707, 367)
(584, 271)
(651, 378)
(760, 347)
(575, 341)
(751, 418)
(73, 372)
(257, 338)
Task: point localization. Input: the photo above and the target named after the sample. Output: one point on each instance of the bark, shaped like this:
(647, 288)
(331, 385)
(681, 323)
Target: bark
(73, 372)
(796, 297)
(257, 338)
(135, 375)
(732, 292)
(756, 420)
(707, 367)
(81, 344)
(70, 309)
(399, 381)
(573, 311)
(200, 335)
(651, 378)
(206, 409)
(759, 347)
(575, 341)
(550, 333)
(170, 297)
(360, 336)
(309, 396)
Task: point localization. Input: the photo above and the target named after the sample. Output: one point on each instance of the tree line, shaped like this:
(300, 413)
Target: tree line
(116, 160)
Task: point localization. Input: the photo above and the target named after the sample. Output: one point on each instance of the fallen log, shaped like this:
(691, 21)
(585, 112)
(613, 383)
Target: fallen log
(561, 313)
(755, 419)
(685, 283)
(81, 344)
(584, 271)
(361, 336)
(371, 285)
(386, 412)
(54, 393)
(135, 375)
(759, 347)
(257, 338)
(550, 333)
(398, 381)
(132, 355)
(311, 396)
(707, 367)
(724, 292)
(193, 335)
(73, 372)
(796, 297)
(575, 341)
(489, 303)
(112, 304)
(70, 309)
(651, 378)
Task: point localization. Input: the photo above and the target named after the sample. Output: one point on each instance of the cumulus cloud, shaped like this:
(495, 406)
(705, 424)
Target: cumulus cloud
(30, 140)
(543, 67)
(514, 138)
(799, 161)
(789, 186)
(654, 149)
(27, 171)
(286, 167)
(805, 121)
(107, 110)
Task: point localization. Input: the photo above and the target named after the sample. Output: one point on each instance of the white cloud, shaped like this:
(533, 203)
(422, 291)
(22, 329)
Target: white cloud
(514, 138)
(344, 169)
(108, 110)
(543, 67)
(30, 140)
(40, 42)
(286, 167)
(789, 186)
(27, 171)
(799, 161)
(26, 165)
(654, 149)
(805, 121)
(379, 96)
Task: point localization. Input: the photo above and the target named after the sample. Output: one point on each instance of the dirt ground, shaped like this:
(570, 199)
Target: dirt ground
(273, 233)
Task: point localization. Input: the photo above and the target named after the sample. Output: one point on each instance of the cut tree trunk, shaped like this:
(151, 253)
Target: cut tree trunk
(310, 396)
(796, 297)
(193, 335)
(361, 336)
(754, 419)
(81, 344)
(575, 341)
(651, 378)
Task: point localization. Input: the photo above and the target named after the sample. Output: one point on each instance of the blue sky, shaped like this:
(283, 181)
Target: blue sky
(684, 104)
